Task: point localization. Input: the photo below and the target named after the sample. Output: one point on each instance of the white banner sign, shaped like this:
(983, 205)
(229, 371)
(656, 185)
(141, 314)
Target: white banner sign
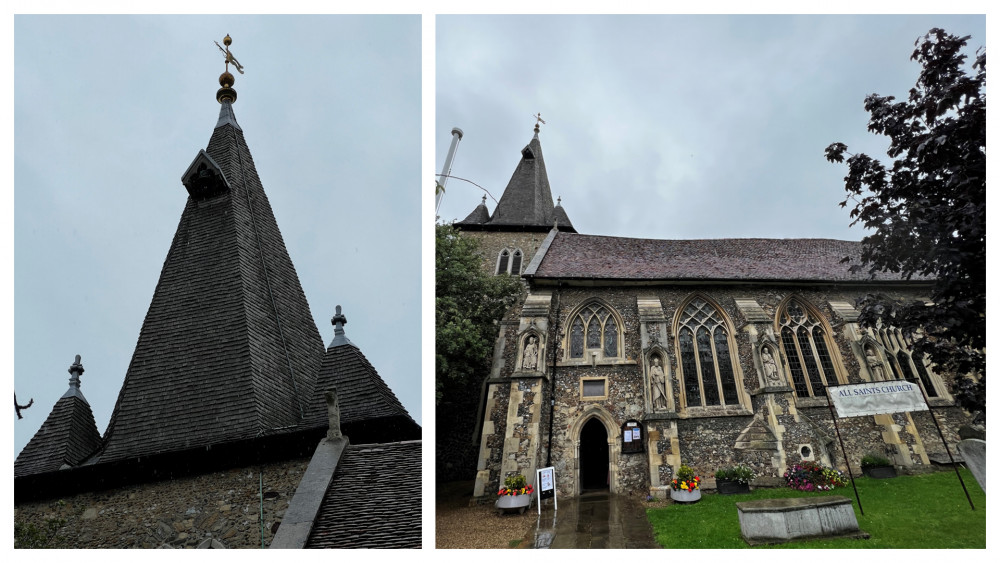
(879, 397)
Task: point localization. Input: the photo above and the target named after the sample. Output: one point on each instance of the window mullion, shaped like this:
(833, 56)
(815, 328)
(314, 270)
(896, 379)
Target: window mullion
(819, 363)
(802, 361)
(697, 364)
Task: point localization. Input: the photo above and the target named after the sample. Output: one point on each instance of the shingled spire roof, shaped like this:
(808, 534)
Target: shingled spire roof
(369, 410)
(67, 437)
(228, 350)
(526, 203)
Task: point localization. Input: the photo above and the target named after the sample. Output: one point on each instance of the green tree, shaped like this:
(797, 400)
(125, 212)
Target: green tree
(927, 212)
(469, 303)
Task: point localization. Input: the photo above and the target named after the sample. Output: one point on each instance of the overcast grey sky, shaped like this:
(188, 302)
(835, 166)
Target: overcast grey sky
(674, 126)
(110, 111)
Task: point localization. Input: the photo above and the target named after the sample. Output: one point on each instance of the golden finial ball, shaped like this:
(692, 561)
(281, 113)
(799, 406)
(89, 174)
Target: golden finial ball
(227, 41)
(226, 80)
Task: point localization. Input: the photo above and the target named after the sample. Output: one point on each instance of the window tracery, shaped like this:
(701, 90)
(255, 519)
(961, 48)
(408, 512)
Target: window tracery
(706, 361)
(806, 346)
(594, 328)
(509, 261)
(905, 364)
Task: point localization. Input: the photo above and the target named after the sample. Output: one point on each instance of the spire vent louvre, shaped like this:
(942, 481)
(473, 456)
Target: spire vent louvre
(204, 178)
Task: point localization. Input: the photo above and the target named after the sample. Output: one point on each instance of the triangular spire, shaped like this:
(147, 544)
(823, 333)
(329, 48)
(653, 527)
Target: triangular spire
(561, 218)
(526, 203)
(67, 437)
(228, 350)
(479, 215)
(363, 396)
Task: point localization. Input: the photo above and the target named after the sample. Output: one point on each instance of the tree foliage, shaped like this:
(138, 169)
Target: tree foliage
(469, 303)
(927, 212)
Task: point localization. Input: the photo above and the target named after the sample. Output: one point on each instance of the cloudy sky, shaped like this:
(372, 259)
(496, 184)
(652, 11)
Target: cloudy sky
(674, 126)
(110, 111)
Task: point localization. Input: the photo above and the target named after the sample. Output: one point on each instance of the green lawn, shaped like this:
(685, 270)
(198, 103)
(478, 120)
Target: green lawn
(916, 511)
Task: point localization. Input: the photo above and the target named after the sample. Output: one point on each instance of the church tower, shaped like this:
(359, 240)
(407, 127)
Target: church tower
(523, 217)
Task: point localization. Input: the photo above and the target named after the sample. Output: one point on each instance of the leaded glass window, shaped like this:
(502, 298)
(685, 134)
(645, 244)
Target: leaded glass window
(594, 328)
(904, 363)
(502, 264)
(706, 360)
(805, 344)
(509, 262)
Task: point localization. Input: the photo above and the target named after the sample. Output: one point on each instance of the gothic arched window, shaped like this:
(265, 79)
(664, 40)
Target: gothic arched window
(509, 262)
(706, 361)
(808, 351)
(502, 263)
(515, 263)
(594, 328)
(904, 363)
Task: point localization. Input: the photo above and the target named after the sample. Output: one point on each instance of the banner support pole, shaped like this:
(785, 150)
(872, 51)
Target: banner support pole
(833, 415)
(920, 385)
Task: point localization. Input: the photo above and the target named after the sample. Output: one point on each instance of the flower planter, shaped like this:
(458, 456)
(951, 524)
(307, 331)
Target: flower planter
(881, 472)
(512, 503)
(680, 495)
(728, 487)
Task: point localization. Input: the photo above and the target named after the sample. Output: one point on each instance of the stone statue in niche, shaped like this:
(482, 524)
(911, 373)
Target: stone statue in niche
(874, 365)
(770, 366)
(659, 384)
(530, 360)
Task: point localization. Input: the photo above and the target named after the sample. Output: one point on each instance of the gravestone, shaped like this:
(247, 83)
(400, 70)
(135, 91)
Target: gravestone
(779, 520)
(974, 452)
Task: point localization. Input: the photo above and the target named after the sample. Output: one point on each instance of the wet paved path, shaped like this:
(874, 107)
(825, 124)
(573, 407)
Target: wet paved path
(596, 520)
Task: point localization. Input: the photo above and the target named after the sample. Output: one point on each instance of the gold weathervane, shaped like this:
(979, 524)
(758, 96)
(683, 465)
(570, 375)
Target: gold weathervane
(229, 56)
(226, 79)
(538, 119)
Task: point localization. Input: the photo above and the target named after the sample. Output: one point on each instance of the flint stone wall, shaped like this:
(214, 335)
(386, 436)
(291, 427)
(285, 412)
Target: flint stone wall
(707, 437)
(180, 513)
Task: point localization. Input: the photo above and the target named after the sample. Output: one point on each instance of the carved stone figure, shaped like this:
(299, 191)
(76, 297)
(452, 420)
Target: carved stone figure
(659, 384)
(874, 365)
(530, 354)
(770, 367)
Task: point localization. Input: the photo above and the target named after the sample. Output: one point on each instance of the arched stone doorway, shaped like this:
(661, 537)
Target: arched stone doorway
(594, 457)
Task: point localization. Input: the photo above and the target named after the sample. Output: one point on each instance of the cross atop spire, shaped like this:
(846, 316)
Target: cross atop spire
(338, 321)
(75, 371)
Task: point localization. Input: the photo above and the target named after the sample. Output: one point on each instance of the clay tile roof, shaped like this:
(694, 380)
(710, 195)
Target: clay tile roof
(374, 499)
(574, 256)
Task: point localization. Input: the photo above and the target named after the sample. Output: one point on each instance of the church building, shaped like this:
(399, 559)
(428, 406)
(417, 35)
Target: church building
(626, 358)
(235, 425)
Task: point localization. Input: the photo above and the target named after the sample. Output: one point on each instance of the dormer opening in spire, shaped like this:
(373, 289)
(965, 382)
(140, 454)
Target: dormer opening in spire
(204, 178)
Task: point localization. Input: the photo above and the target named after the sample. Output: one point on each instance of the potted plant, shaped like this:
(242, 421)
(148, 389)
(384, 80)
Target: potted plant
(514, 495)
(811, 476)
(877, 466)
(734, 480)
(686, 486)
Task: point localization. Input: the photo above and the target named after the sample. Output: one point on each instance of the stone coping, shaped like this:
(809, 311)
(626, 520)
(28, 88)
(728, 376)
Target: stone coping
(790, 504)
